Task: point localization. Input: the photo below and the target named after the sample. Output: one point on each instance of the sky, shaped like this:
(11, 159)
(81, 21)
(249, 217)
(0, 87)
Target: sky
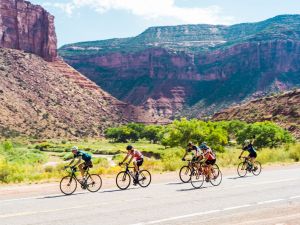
(88, 20)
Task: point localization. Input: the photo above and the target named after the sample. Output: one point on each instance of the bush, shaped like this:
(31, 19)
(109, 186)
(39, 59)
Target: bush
(265, 134)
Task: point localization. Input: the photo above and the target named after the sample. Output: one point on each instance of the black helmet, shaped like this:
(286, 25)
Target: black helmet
(129, 147)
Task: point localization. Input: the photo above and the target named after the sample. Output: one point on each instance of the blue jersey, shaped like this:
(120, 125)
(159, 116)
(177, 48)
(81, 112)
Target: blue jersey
(250, 149)
(85, 156)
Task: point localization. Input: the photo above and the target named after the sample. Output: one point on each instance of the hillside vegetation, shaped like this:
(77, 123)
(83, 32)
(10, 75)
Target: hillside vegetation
(283, 109)
(30, 160)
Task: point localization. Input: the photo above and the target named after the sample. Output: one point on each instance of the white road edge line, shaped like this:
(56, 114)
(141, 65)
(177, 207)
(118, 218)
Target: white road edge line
(270, 201)
(237, 207)
(212, 211)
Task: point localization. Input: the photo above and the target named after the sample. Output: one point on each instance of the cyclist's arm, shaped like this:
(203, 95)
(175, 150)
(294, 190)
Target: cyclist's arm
(79, 161)
(130, 160)
(185, 154)
(241, 154)
(124, 160)
(71, 162)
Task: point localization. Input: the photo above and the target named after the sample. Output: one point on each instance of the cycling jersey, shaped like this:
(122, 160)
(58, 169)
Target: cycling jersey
(209, 155)
(137, 155)
(196, 149)
(250, 149)
(85, 156)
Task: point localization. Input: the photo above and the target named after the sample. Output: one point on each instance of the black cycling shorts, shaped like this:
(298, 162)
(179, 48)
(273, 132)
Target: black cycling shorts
(88, 164)
(139, 162)
(210, 162)
(253, 155)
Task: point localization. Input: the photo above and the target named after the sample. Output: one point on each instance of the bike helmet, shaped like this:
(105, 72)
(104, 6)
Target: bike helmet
(190, 144)
(74, 148)
(203, 146)
(246, 142)
(129, 147)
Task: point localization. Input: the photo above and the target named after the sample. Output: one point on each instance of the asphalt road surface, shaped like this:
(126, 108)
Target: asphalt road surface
(271, 198)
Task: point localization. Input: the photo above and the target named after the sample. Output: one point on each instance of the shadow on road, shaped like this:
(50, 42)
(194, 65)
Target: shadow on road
(62, 195)
(235, 178)
(117, 190)
(175, 183)
(192, 189)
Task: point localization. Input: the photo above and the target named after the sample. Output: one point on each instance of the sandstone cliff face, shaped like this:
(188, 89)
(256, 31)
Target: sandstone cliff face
(212, 66)
(283, 109)
(27, 27)
(52, 100)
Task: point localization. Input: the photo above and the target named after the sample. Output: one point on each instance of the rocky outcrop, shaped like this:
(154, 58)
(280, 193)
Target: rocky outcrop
(27, 27)
(194, 70)
(283, 109)
(52, 100)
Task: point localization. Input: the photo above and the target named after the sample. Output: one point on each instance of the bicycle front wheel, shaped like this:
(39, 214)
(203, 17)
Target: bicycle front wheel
(144, 178)
(94, 182)
(197, 179)
(256, 168)
(242, 169)
(216, 175)
(185, 174)
(68, 185)
(123, 180)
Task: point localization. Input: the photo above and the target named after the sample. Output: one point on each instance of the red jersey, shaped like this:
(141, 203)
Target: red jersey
(209, 155)
(136, 154)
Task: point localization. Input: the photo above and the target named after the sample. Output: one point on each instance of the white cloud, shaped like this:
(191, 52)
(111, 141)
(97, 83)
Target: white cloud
(150, 9)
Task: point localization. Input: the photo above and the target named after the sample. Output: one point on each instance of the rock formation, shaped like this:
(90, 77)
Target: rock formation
(194, 70)
(27, 27)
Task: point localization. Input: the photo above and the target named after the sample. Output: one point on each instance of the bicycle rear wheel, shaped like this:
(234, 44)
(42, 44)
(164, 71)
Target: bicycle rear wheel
(197, 179)
(144, 178)
(216, 175)
(123, 180)
(68, 185)
(256, 168)
(94, 183)
(185, 174)
(242, 169)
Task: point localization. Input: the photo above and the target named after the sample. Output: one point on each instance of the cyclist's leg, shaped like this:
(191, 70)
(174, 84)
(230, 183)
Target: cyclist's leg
(81, 168)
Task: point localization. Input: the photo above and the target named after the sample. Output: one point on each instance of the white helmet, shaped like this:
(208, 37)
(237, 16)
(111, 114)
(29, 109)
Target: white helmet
(74, 148)
(247, 142)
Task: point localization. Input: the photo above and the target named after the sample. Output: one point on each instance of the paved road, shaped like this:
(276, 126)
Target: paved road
(271, 198)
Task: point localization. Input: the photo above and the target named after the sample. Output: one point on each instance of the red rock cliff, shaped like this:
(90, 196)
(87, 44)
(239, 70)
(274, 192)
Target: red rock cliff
(27, 27)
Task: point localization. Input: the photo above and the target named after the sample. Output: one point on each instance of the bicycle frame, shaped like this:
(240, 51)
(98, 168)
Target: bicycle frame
(73, 174)
(130, 173)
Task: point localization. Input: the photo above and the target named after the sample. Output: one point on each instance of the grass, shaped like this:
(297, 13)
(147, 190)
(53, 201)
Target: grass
(26, 161)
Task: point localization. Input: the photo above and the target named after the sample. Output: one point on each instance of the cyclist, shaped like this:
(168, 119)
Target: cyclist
(248, 146)
(81, 155)
(138, 160)
(209, 159)
(197, 157)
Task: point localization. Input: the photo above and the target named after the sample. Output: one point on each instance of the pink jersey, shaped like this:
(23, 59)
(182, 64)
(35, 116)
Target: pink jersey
(209, 155)
(136, 154)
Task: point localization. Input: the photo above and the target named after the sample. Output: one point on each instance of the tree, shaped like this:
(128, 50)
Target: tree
(267, 134)
(153, 133)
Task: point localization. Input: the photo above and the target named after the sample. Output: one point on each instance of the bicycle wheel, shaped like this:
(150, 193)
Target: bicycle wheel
(197, 179)
(185, 174)
(144, 178)
(123, 180)
(68, 185)
(216, 175)
(256, 168)
(242, 169)
(94, 183)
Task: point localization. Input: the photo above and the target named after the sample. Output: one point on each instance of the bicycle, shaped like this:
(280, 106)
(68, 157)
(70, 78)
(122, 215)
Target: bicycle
(247, 167)
(186, 171)
(91, 182)
(123, 179)
(198, 176)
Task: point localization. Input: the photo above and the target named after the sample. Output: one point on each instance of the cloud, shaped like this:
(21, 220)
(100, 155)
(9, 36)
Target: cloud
(150, 10)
